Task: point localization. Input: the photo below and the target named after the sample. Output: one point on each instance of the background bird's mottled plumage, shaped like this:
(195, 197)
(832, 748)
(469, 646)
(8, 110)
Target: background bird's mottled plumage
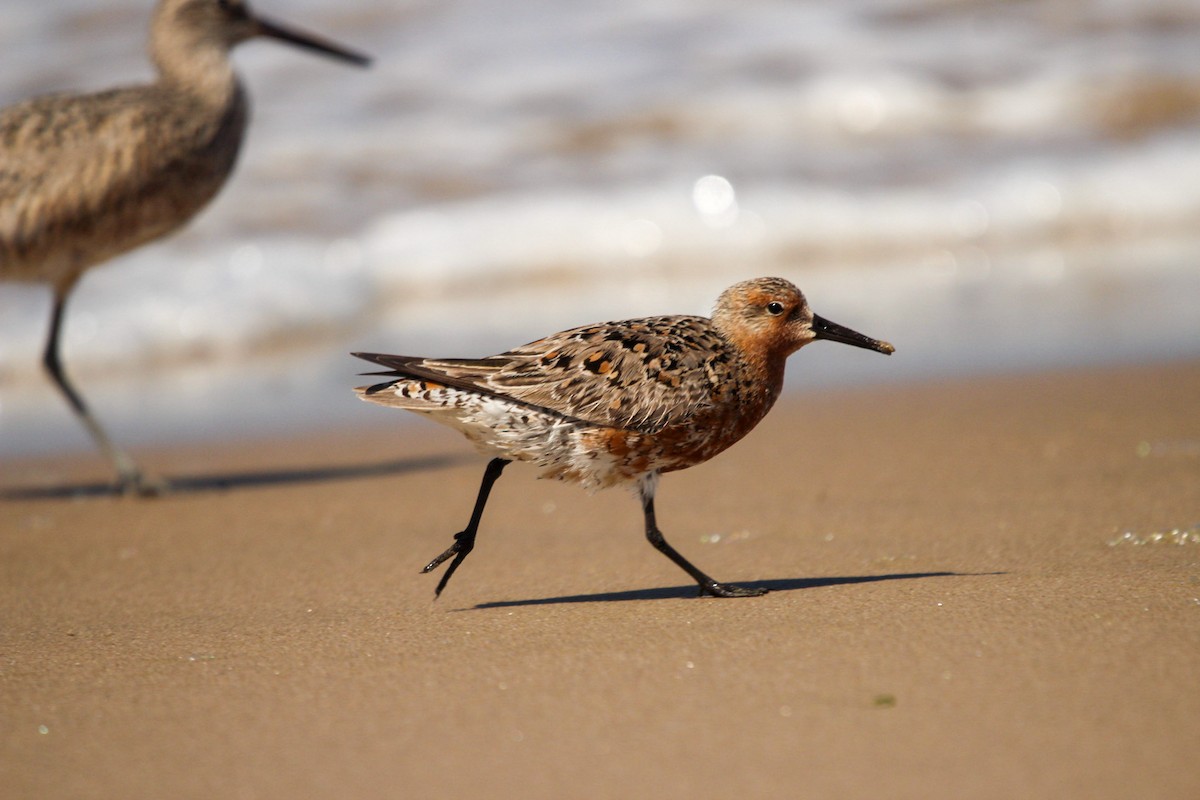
(83, 179)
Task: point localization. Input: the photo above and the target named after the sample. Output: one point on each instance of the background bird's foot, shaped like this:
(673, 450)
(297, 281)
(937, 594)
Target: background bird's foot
(135, 484)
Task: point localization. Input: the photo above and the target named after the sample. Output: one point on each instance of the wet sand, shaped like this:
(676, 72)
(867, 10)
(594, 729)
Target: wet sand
(948, 616)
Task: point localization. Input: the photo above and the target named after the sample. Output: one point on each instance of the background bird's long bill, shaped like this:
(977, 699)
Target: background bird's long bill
(824, 329)
(310, 42)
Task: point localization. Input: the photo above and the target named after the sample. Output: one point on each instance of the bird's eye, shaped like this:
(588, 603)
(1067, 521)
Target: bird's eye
(775, 308)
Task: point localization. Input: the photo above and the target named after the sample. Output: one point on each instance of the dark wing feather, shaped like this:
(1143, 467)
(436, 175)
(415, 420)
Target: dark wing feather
(418, 368)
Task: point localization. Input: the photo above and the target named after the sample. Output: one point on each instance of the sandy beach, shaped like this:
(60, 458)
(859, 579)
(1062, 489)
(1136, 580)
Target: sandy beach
(954, 611)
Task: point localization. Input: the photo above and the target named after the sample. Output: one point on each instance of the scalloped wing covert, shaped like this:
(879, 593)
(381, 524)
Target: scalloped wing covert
(641, 374)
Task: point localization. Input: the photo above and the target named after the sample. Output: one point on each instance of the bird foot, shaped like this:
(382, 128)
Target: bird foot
(715, 589)
(464, 543)
(452, 550)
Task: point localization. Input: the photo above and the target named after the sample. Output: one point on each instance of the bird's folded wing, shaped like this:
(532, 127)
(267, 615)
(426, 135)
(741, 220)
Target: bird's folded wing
(643, 375)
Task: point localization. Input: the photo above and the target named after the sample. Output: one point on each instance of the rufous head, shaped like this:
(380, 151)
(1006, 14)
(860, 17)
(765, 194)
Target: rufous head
(769, 317)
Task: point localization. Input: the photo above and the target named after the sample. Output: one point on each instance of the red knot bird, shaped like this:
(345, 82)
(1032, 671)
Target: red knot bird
(618, 402)
(85, 177)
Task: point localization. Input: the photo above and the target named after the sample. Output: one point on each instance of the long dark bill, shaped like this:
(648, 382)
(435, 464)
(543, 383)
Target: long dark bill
(310, 42)
(824, 329)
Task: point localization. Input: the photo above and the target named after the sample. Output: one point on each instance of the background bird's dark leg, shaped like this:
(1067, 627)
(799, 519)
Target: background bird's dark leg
(464, 540)
(129, 477)
(708, 586)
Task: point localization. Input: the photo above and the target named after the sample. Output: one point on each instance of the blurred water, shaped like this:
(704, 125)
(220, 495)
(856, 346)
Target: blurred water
(989, 185)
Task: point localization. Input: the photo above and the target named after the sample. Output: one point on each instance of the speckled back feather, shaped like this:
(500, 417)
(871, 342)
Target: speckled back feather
(638, 374)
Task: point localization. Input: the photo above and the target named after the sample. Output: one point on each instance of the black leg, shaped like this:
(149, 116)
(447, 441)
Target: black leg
(708, 586)
(129, 477)
(464, 540)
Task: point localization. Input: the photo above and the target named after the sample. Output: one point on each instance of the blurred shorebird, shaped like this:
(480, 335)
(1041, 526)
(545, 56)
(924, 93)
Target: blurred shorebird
(618, 402)
(85, 177)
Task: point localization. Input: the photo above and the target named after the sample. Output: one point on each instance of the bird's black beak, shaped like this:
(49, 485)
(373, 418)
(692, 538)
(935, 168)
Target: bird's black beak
(309, 41)
(824, 329)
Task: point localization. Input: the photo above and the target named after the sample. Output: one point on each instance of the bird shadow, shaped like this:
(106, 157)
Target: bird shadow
(247, 479)
(690, 590)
